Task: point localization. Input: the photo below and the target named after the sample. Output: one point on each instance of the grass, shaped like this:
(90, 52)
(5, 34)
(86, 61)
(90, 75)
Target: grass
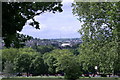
(56, 78)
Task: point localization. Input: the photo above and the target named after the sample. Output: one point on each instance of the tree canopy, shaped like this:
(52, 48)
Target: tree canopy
(63, 61)
(16, 14)
(100, 33)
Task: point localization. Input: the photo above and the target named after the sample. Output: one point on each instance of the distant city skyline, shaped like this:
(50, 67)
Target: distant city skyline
(58, 25)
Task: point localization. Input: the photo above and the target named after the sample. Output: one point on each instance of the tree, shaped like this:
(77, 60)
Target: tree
(60, 61)
(22, 63)
(101, 27)
(28, 50)
(43, 49)
(9, 69)
(9, 54)
(38, 66)
(50, 60)
(69, 65)
(23, 60)
(19, 40)
(16, 14)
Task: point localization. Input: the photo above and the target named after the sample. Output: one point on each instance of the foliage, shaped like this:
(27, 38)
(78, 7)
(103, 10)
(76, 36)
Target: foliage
(100, 35)
(50, 60)
(63, 61)
(8, 70)
(9, 54)
(22, 63)
(19, 40)
(23, 59)
(74, 51)
(29, 51)
(43, 48)
(37, 66)
(16, 14)
(69, 65)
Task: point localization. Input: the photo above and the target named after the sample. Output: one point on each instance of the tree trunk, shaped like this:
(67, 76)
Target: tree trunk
(27, 74)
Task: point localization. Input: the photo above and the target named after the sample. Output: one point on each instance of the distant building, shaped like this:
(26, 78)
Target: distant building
(66, 44)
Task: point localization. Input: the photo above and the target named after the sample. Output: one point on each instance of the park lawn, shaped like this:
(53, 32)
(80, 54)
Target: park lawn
(56, 78)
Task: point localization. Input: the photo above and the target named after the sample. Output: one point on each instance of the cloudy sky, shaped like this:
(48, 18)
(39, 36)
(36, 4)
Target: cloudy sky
(58, 25)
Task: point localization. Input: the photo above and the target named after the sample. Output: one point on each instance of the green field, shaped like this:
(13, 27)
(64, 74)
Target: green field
(60, 79)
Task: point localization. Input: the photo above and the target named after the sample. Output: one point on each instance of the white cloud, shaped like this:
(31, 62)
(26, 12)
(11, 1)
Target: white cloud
(56, 25)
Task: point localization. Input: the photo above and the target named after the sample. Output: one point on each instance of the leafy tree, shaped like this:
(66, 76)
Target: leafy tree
(9, 54)
(22, 63)
(9, 69)
(23, 60)
(74, 51)
(37, 66)
(58, 52)
(63, 61)
(19, 40)
(69, 65)
(29, 51)
(44, 49)
(50, 60)
(105, 58)
(16, 14)
(88, 60)
(108, 56)
(101, 27)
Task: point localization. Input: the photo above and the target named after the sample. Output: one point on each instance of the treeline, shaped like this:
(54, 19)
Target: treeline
(49, 60)
(39, 60)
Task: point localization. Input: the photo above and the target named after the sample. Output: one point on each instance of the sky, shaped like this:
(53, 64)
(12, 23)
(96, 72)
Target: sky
(58, 25)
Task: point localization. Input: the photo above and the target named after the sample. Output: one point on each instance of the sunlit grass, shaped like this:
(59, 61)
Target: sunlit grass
(58, 78)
